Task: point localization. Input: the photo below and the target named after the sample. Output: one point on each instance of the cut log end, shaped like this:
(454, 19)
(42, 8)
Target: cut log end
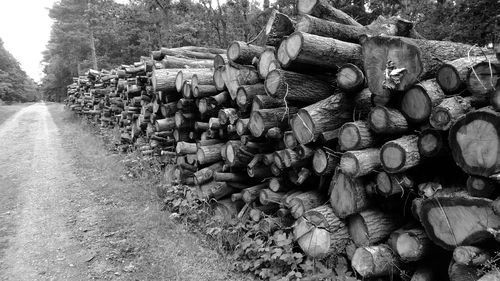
(233, 51)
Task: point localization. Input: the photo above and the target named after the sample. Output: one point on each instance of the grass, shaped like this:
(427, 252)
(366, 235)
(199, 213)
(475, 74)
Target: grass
(132, 238)
(8, 110)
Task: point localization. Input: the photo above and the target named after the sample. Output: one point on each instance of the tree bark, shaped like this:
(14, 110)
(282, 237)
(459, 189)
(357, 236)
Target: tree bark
(448, 111)
(209, 153)
(243, 53)
(347, 195)
(264, 119)
(245, 94)
(401, 154)
(357, 163)
(323, 9)
(304, 202)
(390, 184)
(278, 27)
(375, 261)
(324, 161)
(419, 100)
(371, 226)
(384, 120)
(356, 135)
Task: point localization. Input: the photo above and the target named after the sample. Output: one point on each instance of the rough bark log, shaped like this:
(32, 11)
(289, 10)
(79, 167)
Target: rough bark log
(482, 79)
(243, 53)
(371, 226)
(384, 120)
(481, 187)
(323, 9)
(175, 62)
(389, 184)
(265, 59)
(375, 261)
(430, 143)
(417, 103)
(448, 111)
(357, 163)
(347, 195)
(401, 154)
(234, 77)
(164, 80)
(251, 194)
(410, 244)
(183, 75)
(266, 102)
(209, 153)
(267, 196)
(278, 26)
(245, 94)
(350, 78)
(324, 161)
(264, 119)
(304, 202)
(355, 136)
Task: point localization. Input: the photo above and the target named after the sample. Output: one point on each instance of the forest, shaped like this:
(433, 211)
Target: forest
(15, 85)
(102, 34)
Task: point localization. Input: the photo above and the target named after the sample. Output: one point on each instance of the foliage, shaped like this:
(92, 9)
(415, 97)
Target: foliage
(15, 85)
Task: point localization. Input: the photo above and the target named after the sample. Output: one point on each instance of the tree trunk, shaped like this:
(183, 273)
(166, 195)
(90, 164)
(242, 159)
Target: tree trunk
(202, 91)
(347, 195)
(267, 196)
(242, 126)
(467, 219)
(264, 119)
(185, 148)
(418, 101)
(474, 142)
(206, 174)
(243, 53)
(166, 124)
(325, 115)
(371, 226)
(204, 74)
(297, 87)
(384, 120)
(320, 233)
(400, 154)
(228, 116)
(375, 261)
(350, 78)
(164, 80)
(324, 10)
(410, 244)
(357, 163)
(397, 63)
(322, 52)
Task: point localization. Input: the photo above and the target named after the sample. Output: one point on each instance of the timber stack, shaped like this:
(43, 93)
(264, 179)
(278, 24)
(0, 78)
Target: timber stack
(377, 143)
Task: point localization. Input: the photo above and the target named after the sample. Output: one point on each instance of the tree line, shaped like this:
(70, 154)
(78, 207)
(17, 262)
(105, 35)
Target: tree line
(103, 34)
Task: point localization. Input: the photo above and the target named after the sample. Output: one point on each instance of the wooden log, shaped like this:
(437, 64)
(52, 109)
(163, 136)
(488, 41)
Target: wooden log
(184, 120)
(410, 244)
(289, 140)
(384, 120)
(192, 52)
(471, 255)
(393, 26)
(350, 78)
(482, 79)
(347, 195)
(357, 163)
(175, 62)
(265, 59)
(375, 261)
(323, 9)
(371, 226)
(277, 27)
(234, 77)
(481, 187)
(185, 148)
(322, 52)
(164, 80)
(243, 53)
(201, 91)
(320, 233)
(452, 75)
(202, 77)
(417, 103)
(206, 174)
(221, 190)
(388, 67)
(218, 78)
(430, 143)
(292, 86)
(448, 111)
(232, 177)
(266, 102)
(260, 171)
(278, 184)
(242, 126)
(251, 194)
(166, 124)
(245, 94)
(264, 119)
(209, 153)
(424, 272)
(390, 184)
(168, 109)
(325, 161)
(400, 154)
(325, 115)
(460, 272)
(228, 116)
(274, 133)
(267, 196)
(474, 143)
(304, 151)
(467, 219)
(304, 202)
(355, 136)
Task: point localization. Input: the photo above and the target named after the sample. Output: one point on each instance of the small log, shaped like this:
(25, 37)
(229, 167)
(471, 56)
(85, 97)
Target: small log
(474, 142)
(164, 80)
(278, 184)
(245, 94)
(185, 148)
(355, 136)
(186, 90)
(371, 226)
(390, 184)
(234, 77)
(228, 116)
(201, 91)
(265, 59)
(289, 140)
(322, 52)
(384, 120)
(251, 194)
(232, 177)
(266, 102)
(219, 83)
(350, 78)
(419, 100)
(424, 272)
(471, 255)
(297, 87)
(481, 187)
(448, 111)
(274, 133)
(400, 154)
(460, 272)
(467, 219)
(243, 53)
(347, 195)
(323, 9)
(242, 126)
(304, 202)
(175, 62)
(410, 244)
(166, 124)
(325, 115)
(264, 119)
(320, 233)
(482, 79)
(430, 143)
(267, 196)
(206, 174)
(359, 163)
(209, 153)
(324, 161)
(375, 261)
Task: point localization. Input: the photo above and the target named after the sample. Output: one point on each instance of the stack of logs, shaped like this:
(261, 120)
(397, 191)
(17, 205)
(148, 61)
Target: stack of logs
(381, 145)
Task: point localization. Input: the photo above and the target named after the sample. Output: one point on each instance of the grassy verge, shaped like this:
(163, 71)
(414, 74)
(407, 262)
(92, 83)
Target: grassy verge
(133, 239)
(8, 110)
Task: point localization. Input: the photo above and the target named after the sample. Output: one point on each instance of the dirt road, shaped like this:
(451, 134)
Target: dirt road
(58, 223)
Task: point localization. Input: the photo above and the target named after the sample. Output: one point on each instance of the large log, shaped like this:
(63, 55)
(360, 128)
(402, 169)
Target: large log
(245, 94)
(393, 26)
(323, 9)
(322, 52)
(266, 102)
(400, 154)
(347, 195)
(209, 153)
(417, 103)
(325, 115)
(320, 233)
(243, 53)
(350, 78)
(474, 142)
(397, 63)
(164, 80)
(298, 87)
(371, 226)
(455, 219)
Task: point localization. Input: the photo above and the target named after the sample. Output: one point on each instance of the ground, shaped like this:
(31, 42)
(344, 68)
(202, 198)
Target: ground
(67, 212)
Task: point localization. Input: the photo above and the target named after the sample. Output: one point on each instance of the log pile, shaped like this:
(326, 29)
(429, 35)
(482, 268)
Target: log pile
(380, 144)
